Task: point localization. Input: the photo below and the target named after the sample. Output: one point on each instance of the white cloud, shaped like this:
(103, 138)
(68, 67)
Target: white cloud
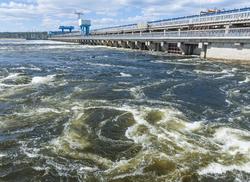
(48, 14)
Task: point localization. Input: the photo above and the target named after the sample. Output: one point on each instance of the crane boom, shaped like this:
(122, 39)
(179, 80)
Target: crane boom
(79, 14)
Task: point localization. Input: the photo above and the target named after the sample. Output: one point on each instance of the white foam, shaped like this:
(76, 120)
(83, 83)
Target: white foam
(38, 168)
(125, 75)
(216, 168)
(246, 109)
(42, 80)
(35, 112)
(174, 129)
(60, 47)
(163, 134)
(30, 152)
(247, 80)
(225, 76)
(175, 62)
(228, 102)
(2, 155)
(11, 76)
(224, 73)
(233, 141)
(28, 68)
(88, 169)
(47, 110)
(105, 65)
(193, 126)
(209, 72)
(137, 92)
(2, 85)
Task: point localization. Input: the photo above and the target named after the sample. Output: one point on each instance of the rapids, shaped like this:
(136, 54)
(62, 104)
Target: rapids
(70, 112)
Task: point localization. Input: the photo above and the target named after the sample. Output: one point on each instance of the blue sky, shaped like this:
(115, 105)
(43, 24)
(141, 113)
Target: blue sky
(45, 15)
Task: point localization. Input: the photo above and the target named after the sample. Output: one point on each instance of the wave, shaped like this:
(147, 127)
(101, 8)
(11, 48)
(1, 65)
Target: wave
(2, 155)
(104, 65)
(137, 91)
(30, 152)
(125, 75)
(10, 76)
(221, 74)
(42, 80)
(167, 139)
(247, 80)
(23, 80)
(216, 168)
(36, 111)
(176, 62)
(246, 109)
(27, 68)
(233, 141)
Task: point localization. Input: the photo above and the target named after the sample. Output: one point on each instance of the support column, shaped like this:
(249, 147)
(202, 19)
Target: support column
(131, 44)
(99, 42)
(106, 42)
(123, 44)
(164, 46)
(182, 47)
(151, 46)
(109, 43)
(203, 47)
(115, 44)
(179, 32)
(227, 28)
(140, 45)
(103, 42)
(158, 46)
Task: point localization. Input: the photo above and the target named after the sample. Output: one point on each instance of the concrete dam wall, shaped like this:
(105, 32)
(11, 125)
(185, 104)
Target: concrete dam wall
(24, 35)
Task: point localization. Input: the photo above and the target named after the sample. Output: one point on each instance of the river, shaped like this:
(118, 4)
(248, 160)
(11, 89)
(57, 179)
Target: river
(71, 112)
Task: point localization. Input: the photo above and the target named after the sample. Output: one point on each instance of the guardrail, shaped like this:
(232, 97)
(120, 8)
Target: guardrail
(224, 16)
(235, 32)
(216, 18)
(67, 34)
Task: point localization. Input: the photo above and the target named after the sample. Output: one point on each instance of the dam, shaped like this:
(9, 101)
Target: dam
(24, 35)
(212, 35)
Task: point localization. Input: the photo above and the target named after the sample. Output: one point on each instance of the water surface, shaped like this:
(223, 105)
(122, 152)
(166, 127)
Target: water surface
(79, 113)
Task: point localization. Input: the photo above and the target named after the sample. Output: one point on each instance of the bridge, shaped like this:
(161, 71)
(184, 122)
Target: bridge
(218, 35)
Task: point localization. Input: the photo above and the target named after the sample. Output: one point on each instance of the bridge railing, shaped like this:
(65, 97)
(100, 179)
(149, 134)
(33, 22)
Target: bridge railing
(235, 32)
(73, 34)
(218, 17)
(236, 16)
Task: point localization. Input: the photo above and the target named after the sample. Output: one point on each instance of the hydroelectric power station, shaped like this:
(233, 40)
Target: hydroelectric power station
(215, 34)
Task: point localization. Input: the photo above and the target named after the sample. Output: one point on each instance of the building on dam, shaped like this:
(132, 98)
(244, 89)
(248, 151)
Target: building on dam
(215, 34)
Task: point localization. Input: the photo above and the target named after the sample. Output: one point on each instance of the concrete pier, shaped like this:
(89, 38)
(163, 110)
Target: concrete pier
(220, 48)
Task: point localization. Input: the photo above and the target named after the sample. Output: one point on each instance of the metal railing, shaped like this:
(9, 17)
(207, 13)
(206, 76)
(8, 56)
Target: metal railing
(234, 32)
(237, 16)
(67, 34)
(224, 16)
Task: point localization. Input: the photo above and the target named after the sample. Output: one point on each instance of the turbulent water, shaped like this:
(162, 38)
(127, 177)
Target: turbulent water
(78, 113)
